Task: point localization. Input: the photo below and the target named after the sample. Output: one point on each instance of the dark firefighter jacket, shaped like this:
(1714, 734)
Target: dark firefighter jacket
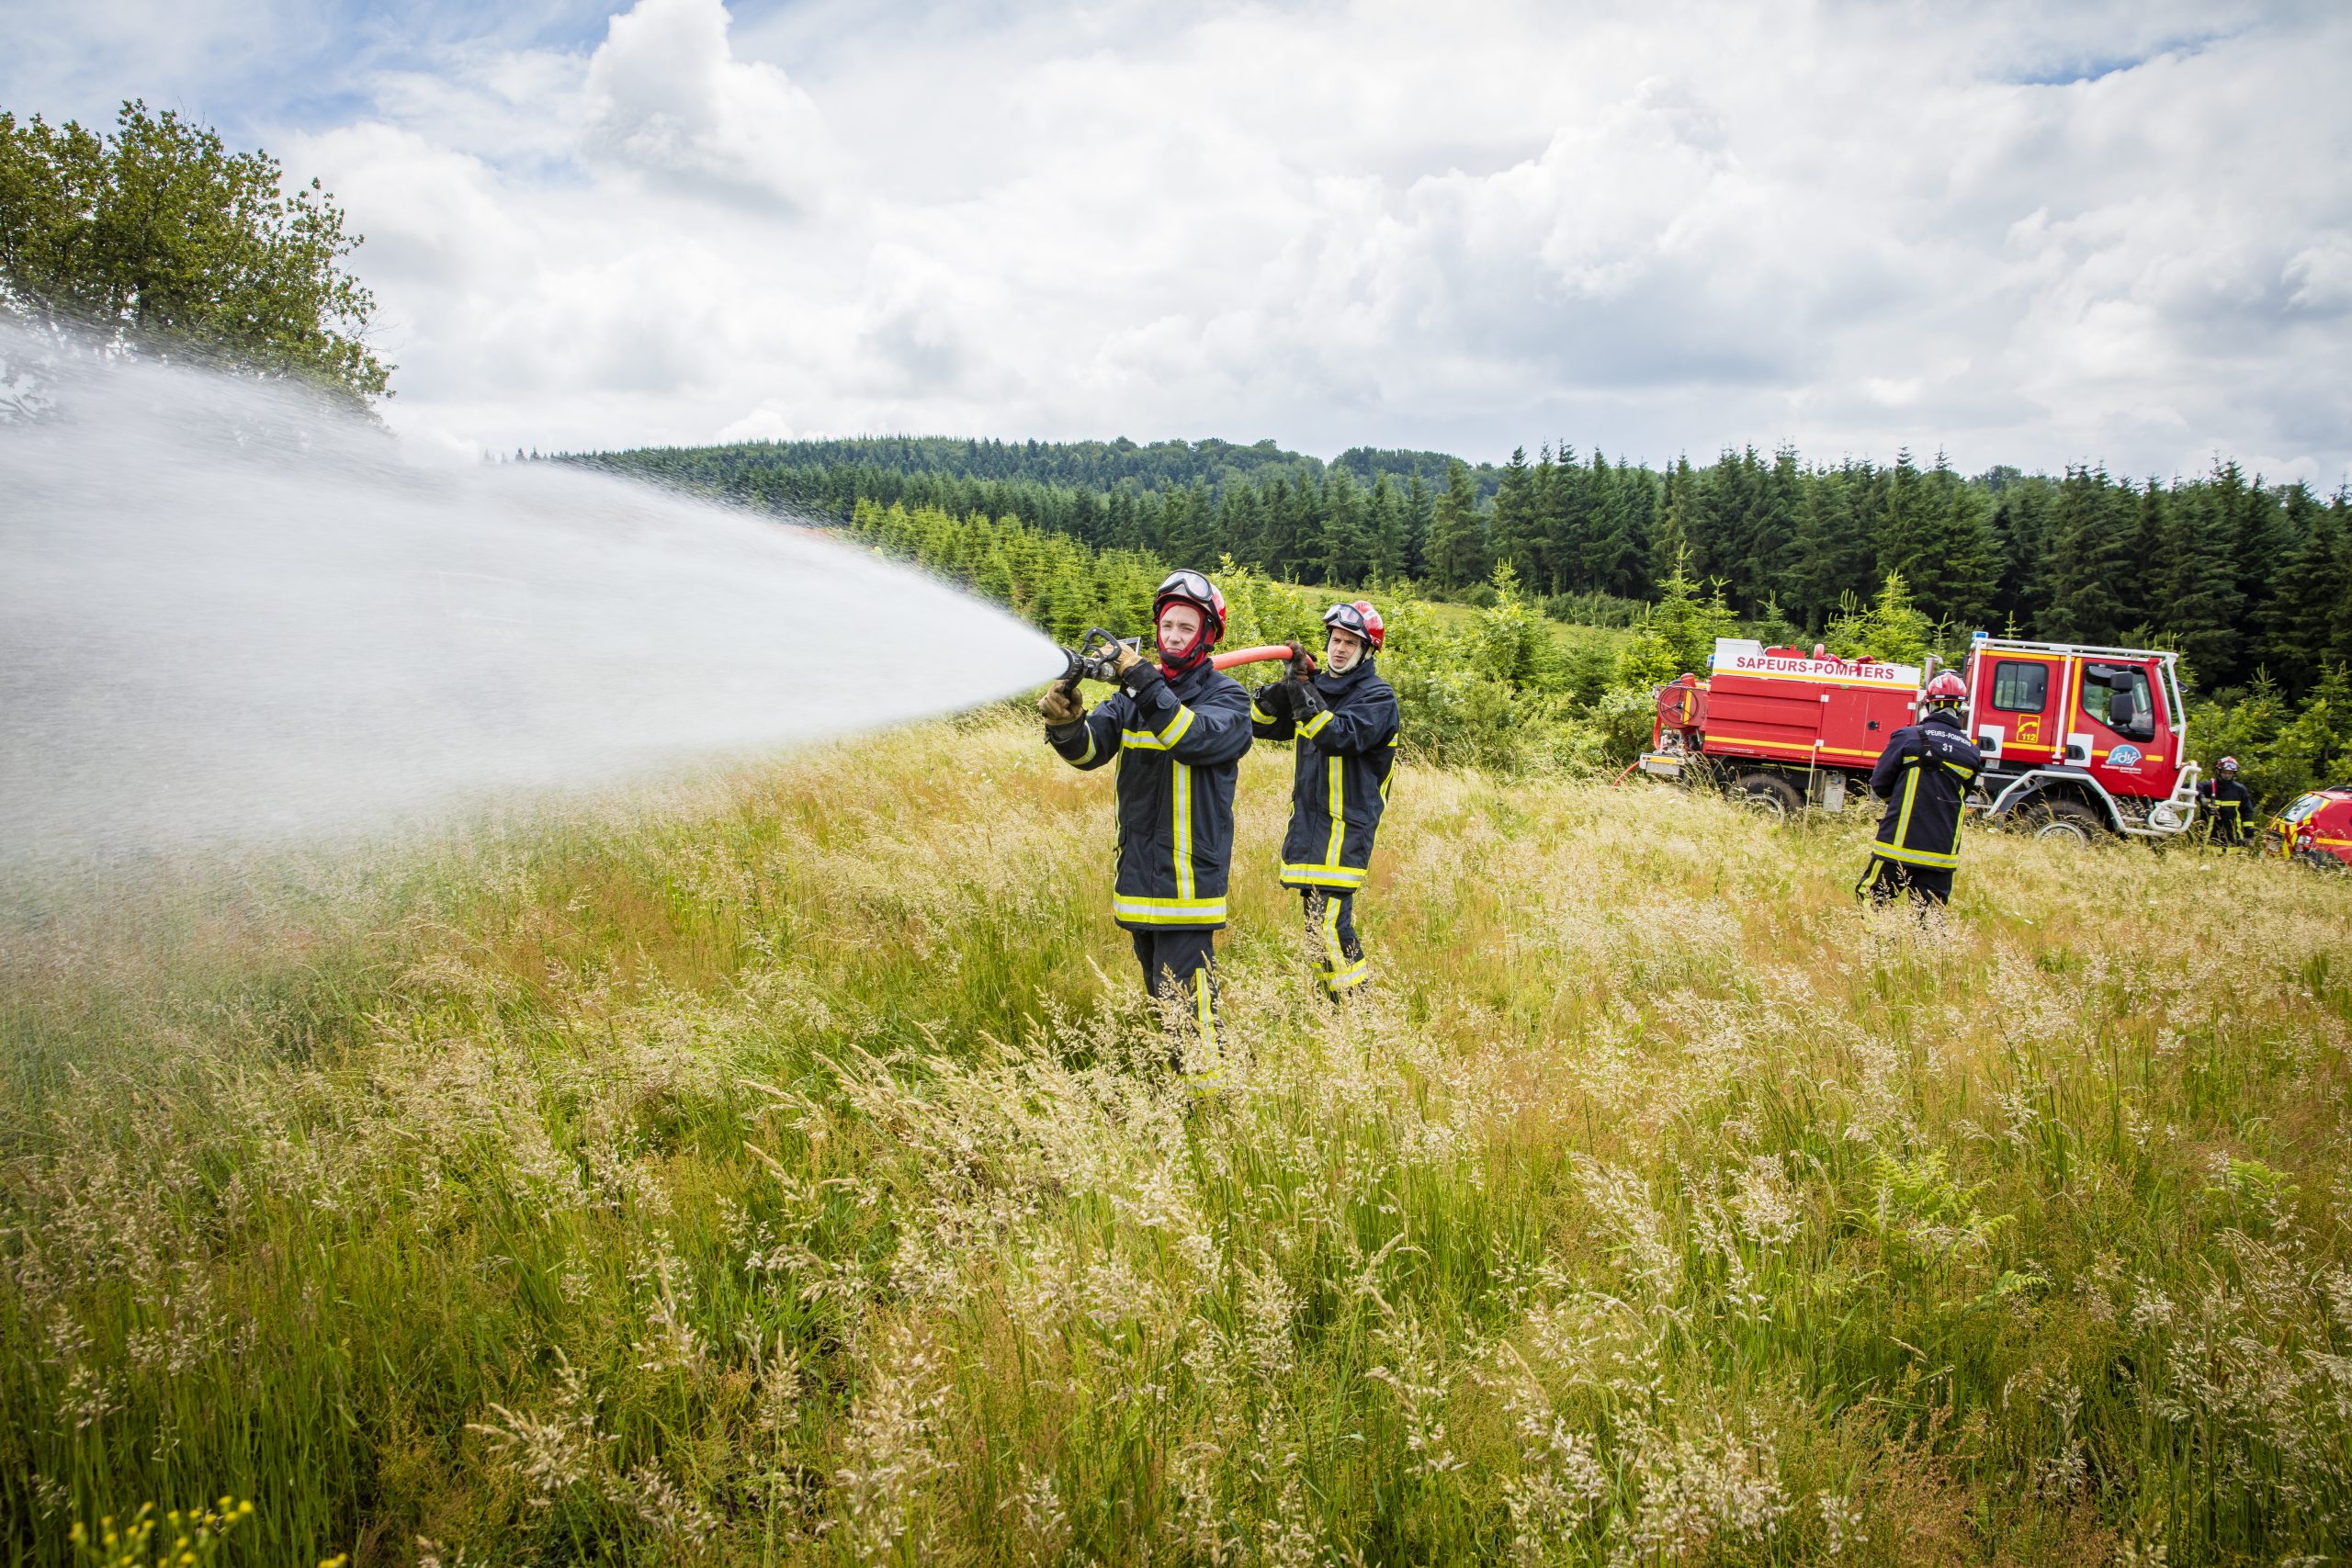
(1177, 764)
(2231, 802)
(1922, 776)
(1340, 783)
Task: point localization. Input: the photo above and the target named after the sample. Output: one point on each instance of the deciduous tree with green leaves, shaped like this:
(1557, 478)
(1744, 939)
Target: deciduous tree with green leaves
(171, 245)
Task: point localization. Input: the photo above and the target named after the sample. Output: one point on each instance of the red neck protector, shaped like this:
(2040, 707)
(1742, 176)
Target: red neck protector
(1194, 658)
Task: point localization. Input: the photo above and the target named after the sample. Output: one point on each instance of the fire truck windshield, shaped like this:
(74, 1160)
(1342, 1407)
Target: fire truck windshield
(2118, 697)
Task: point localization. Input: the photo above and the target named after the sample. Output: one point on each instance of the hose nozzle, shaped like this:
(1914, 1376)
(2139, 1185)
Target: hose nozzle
(1094, 659)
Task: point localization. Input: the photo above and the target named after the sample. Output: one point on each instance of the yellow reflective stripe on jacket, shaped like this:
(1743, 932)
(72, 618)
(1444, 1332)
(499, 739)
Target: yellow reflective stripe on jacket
(1314, 727)
(1183, 792)
(1159, 739)
(1090, 748)
(1910, 793)
(1333, 875)
(1261, 715)
(1915, 857)
(1169, 911)
(1338, 812)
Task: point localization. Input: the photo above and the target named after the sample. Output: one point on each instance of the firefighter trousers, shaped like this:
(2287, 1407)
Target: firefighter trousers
(1180, 970)
(1331, 933)
(1887, 880)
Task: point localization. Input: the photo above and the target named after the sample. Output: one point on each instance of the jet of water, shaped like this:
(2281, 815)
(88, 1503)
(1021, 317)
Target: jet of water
(228, 614)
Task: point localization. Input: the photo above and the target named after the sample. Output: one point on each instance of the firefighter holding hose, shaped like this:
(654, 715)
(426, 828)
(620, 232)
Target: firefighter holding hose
(1922, 776)
(1178, 729)
(1344, 720)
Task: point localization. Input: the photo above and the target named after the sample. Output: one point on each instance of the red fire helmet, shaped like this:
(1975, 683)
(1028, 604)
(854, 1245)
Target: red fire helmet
(1192, 588)
(1360, 618)
(1947, 691)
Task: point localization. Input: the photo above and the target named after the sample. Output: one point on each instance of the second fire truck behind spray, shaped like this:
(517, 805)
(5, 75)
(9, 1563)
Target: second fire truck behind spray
(2079, 743)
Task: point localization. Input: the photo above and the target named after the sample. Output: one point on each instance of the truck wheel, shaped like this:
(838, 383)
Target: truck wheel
(1767, 795)
(2065, 819)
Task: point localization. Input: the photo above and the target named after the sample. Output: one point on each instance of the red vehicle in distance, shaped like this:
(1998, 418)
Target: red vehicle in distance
(2078, 741)
(2314, 829)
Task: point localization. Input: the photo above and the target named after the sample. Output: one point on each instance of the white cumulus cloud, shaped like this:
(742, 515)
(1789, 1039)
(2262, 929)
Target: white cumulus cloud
(2021, 232)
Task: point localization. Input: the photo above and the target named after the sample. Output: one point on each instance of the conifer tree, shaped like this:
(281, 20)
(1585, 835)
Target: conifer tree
(2023, 512)
(1457, 546)
(2310, 613)
(1391, 547)
(1514, 531)
(1905, 538)
(1680, 632)
(1672, 547)
(2091, 567)
(1828, 552)
(2184, 557)
(1962, 564)
(1308, 543)
(1891, 628)
(1566, 523)
(1421, 511)
(1278, 544)
(1346, 544)
(1615, 557)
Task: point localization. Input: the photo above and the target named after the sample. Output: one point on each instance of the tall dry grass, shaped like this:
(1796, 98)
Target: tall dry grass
(782, 1171)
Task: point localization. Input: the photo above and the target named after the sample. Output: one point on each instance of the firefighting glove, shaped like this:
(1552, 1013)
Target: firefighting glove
(1305, 702)
(1137, 677)
(1272, 699)
(1061, 708)
(1301, 663)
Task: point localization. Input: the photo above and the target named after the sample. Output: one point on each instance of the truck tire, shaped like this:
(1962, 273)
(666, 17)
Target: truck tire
(1767, 795)
(2065, 819)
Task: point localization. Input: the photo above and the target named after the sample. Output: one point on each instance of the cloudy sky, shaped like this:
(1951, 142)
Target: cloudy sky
(2033, 233)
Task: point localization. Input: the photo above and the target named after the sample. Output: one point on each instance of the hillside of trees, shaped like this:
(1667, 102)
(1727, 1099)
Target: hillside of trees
(2241, 576)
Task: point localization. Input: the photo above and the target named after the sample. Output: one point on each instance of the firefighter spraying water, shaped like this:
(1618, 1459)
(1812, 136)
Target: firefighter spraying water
(1178, 729)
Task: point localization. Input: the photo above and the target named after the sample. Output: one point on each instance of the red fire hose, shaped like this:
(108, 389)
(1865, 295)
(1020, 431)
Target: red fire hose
(1250, 656)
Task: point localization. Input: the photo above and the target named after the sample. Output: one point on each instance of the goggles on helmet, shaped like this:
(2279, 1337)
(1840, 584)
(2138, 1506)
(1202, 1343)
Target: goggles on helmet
(1187, 585)
(1358, 618)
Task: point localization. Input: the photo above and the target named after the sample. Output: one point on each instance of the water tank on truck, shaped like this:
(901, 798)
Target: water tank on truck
(2081, 743)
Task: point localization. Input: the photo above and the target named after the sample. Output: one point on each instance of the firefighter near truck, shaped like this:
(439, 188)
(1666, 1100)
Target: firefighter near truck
(2077, 742)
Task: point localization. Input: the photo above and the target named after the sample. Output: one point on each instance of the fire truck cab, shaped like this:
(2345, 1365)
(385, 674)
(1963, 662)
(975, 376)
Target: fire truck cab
(2103, 729)
(2079, 741)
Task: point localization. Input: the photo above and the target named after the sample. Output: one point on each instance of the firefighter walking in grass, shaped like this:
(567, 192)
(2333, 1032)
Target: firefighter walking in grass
(1922, 776)
(1344, 719)
(1178, 729)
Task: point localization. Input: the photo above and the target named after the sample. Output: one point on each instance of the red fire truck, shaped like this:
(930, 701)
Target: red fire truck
(2079, 741)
